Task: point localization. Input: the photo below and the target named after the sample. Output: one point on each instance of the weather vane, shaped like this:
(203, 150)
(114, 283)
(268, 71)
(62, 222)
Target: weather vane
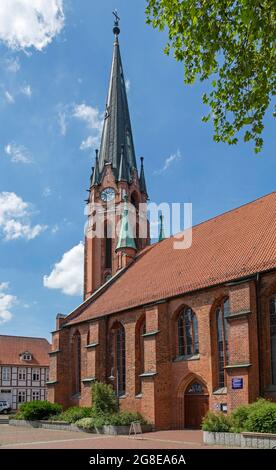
(117, 19)
(116, 29)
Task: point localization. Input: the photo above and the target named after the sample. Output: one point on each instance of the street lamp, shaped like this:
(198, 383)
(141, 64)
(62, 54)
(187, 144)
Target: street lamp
(112, 378)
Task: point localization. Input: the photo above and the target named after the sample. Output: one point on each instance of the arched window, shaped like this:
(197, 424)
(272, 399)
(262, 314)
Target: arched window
(121, 359)
(187, 333)
(222, 313)
(117, 358)
(76, 369)
(272, 316)
(108, 246)
(140, 351)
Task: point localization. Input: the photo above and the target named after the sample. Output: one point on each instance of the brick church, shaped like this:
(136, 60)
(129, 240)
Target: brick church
(176, 332)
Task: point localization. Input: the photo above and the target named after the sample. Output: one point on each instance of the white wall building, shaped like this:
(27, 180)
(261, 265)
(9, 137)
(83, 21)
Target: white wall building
(24, 369)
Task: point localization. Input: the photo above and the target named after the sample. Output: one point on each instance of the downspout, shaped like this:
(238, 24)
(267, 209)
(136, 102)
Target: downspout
(258, 305)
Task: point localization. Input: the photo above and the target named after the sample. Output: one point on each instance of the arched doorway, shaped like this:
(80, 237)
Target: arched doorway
(196, 404)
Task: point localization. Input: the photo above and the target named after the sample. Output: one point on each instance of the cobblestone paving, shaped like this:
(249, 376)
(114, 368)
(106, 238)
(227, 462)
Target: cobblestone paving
(26, 438)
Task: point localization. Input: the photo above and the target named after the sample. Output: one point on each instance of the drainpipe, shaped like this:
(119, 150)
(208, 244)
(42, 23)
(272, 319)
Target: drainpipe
(258, 305)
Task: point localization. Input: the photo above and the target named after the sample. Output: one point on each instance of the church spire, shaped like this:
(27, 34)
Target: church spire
(117, 125)
(142, 178)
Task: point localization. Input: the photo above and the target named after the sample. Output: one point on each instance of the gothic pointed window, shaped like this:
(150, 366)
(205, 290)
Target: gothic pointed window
(222, 341)
(121, 359)
(117, 358)
(140, 354)
(272, 317)
(76, 363)
(188, 343)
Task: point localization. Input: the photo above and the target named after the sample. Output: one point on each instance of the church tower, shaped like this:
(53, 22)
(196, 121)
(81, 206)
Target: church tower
(116, 189)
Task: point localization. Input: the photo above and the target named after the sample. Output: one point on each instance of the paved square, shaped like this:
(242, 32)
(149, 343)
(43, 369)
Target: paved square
(12, 437)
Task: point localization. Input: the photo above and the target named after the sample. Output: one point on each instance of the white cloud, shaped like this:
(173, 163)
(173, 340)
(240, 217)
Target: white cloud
(15, 215)
(128, 85)
(94, 122)
(168, 162)
(90, 142)
(62, 122)
(17, 153)
(67, 274)
(7, 301)
(4, 286)
(9, 97)
(13, 65)
(27, 90)
(30, 23)
(91, 116)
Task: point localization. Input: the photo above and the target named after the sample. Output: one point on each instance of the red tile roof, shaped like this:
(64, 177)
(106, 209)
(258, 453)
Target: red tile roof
(12, 346)
(233, 245)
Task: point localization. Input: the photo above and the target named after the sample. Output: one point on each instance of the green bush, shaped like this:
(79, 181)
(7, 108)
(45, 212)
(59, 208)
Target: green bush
(18, 416)
(262, 419)
(239, 417)
(104, 400)
(37, 410)
(216, 422)
(73, 414)
(87, 424)
(94, 422)
(125, 418)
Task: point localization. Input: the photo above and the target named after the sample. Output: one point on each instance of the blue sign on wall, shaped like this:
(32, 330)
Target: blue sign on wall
(237, 383)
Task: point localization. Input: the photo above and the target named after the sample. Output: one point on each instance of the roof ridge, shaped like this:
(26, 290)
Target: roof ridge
(24, 337)
(220, 215)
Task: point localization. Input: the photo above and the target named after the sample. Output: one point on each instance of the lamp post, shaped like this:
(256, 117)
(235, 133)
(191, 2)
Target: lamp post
(113, 378)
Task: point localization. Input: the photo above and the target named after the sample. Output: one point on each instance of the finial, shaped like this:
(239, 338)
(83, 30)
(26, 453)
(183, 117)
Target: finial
(97, 153)
(116, 29)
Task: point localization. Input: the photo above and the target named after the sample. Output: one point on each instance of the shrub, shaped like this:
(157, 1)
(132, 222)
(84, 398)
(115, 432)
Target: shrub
(87, 424)
(125, 418)
(239, 417)
(216, 422)
(94, 422)
(97, 421)
(73, 414)
(36, 410)
(262, 419)
(18, 416)
(104, 400)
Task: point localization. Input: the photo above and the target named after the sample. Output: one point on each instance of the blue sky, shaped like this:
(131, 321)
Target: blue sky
(52, 96)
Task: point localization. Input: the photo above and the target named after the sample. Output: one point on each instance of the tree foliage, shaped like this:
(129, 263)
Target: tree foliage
(233, 43)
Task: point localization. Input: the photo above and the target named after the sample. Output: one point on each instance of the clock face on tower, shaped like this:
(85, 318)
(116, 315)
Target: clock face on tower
(108, 194)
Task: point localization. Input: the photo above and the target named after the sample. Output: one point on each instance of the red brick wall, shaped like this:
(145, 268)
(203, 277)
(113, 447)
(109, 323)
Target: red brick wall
(163, 395)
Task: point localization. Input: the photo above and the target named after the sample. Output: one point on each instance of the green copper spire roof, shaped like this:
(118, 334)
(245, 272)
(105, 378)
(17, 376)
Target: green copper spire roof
(161, 231)
(142, 178)
(126, 237)
(117, 125)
